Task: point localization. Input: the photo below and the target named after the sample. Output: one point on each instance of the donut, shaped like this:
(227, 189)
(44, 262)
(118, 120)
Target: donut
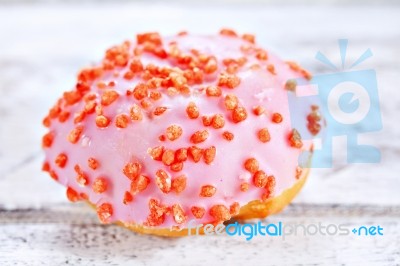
(169, 130)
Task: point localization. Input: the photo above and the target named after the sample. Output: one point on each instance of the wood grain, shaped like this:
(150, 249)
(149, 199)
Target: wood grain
(44, 45)
(69, 235)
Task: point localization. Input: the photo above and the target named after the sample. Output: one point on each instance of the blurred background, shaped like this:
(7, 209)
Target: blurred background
(44, 44)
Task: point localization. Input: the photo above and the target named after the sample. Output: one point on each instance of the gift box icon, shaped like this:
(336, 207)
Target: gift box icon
(349, 104)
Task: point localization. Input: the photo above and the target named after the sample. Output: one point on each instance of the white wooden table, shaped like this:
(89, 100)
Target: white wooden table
(43, 46)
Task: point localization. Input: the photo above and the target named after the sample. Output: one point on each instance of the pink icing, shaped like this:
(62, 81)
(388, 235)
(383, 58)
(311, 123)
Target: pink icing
(114, 147)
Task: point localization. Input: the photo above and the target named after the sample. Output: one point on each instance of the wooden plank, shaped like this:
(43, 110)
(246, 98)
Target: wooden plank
(70, 235)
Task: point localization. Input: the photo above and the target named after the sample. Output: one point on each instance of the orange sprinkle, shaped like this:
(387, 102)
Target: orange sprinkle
(102, 121)
(178, 80)
(178, 214)
(99, 185)
(211, 66)
(228, 135)
(157, 213)
(178, 184)
(108, 97)
(172, 91)
(314, 128)
(89, 97)
(228, 80)
(47, 140)
(136, 65)
(251, 165)
(162, 137)
(232, 69)
(208, 191)
(173, 132)
(90, 107)
(198, 212)
(53, 175)
(314, 119)
(156, 153)
(82, 87)
(277, 118)
(263, 135)
(260, 179)
(307, 75)
(46, 121)
(46, 167)
(228, 32)
(84, 196)
(199, 136)
(152, 37)
(261, 55)
(270, 187)
(271, 183)
(132, 170)
(163, 181)
(234, 208)
(128, 75)
(299, 171)
(155, 95)
(258, 110)
(127, 197)
(72, 195)
(98, 109)
(249, 37)
(220, 213)
(159, 110)
(176, 167)
(64, 115)
(195, 153)
(140, 91)
(146, 103)
(101, 85)
(239, 114)
(241, 61)
(291, 85)
(78, 169)
(295, 139)
(136, 113)
(55, 111)
(82, 179)
(168, 157)
(293, 65)
(79, 116)
(72, 97)
(122, 120)
(61, 160)
(104, 212)
(207, 120)
(181, 155)
(218, 121)
(75, 134)
(213, 91)
(271, 69)
(192, 110)
(93, 163)
(139, 184)
(244, 186)
(209, 154)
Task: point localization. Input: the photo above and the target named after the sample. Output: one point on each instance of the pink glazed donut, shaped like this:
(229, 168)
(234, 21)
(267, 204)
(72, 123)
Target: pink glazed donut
(168, 130)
